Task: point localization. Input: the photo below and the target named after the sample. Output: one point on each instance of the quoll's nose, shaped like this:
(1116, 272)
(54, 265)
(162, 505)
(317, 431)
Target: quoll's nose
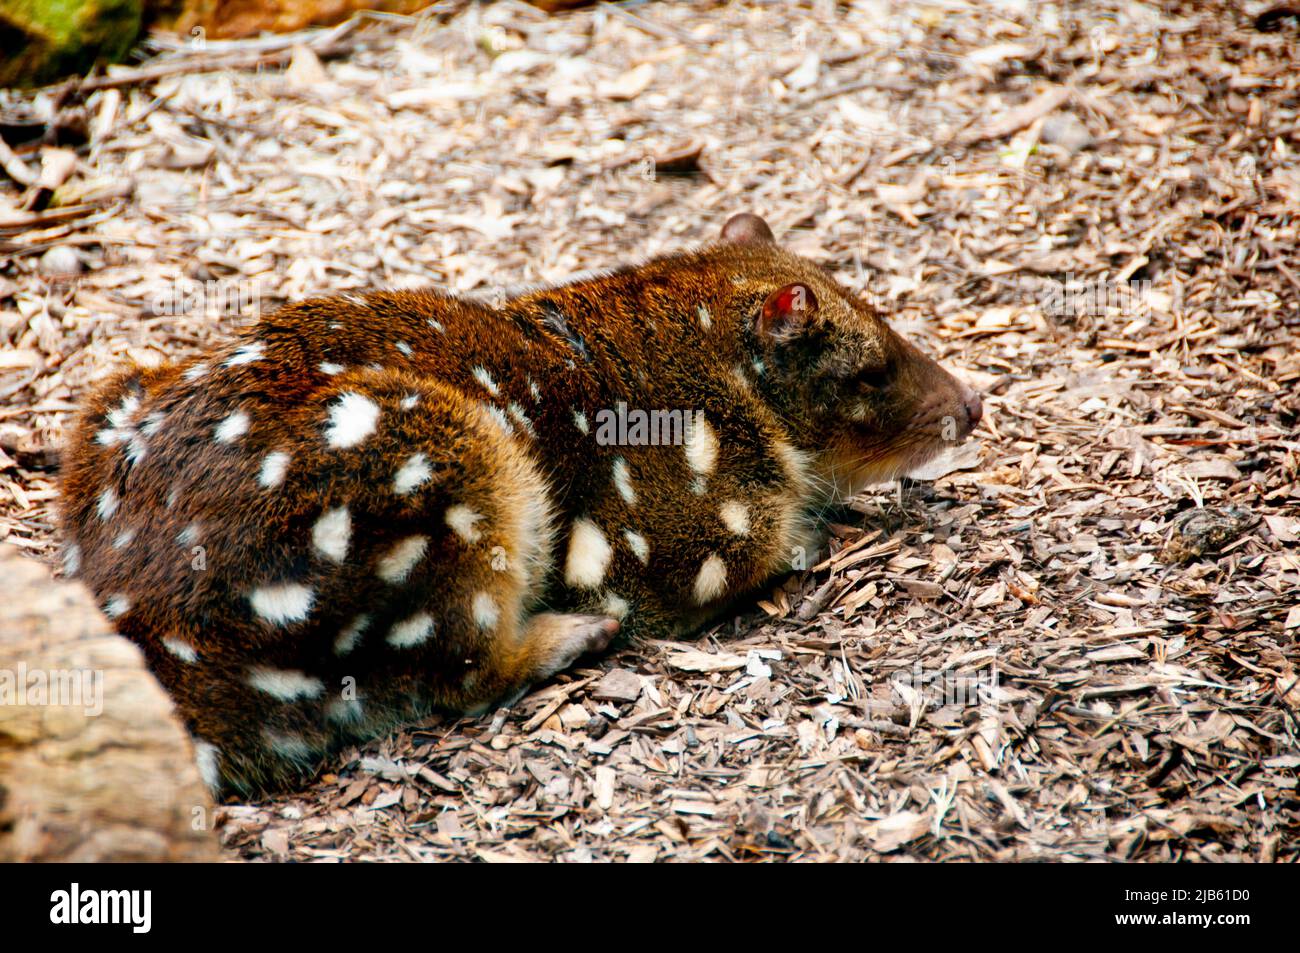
(974, 408)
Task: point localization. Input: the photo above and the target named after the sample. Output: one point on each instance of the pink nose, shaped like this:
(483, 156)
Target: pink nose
(974, 408)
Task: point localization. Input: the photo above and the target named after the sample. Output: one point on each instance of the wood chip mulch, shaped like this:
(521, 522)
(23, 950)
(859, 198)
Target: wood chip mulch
(1074, 640)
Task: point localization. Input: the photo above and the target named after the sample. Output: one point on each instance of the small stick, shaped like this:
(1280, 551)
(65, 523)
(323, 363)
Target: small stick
(15, 167)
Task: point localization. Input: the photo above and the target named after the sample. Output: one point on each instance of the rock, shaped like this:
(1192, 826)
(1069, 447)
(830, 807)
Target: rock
(94, 765)
(619, 685)
(1067, 131)
(1204, 531)
(305, 71)
(60, 261)
(50, 40)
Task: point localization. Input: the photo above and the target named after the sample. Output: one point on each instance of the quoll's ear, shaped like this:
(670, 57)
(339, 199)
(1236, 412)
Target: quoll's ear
(787, 311)
(747, 229)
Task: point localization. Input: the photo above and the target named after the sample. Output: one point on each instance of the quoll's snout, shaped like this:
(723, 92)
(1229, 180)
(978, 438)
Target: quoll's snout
(974, 406)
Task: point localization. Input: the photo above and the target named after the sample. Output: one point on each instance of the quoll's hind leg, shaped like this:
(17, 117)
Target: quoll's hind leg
(547, 643)
(553, 641)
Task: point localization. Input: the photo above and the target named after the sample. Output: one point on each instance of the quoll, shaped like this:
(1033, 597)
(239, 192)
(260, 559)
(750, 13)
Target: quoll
(371, 506)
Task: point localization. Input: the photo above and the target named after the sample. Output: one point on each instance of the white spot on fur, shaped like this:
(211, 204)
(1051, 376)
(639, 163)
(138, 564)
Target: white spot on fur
(332, 532)
(116, 606)
(412, 474)
(108, 503)
(348, 638)
(207, 756)
(411, 632)
(232, 428)
(534, 389)
(120, 417)
(396, 565)
(706, 320)
(172, 496)
(136, 449)
(589, 554)
(517, 414)
(735, 516)
(247, 354)
(151, 423)
(330, 368)
(273, 469)
(409, 401)
(580, 421)
(499, 416)
(486, 612)
(119, 428)
(701, 444)
(344, 711)
(796, 462)
(72, 560)
(637, 543)
(196, 371)
(483, 377)
(282, 602)
(288, 745)
(285, 684)
(181, 649)
(189, 535)
(615, 606)
(352, 419)
(123, 539)
(462, 519)
(403, 347)
(742, 381)
(711, 581)
(436, 325)
(699, 485)
(623, 481)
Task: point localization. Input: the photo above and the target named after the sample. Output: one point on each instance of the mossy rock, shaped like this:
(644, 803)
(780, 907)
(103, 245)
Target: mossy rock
(47, 39)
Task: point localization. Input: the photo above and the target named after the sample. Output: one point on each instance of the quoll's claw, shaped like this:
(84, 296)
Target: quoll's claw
(606, 629)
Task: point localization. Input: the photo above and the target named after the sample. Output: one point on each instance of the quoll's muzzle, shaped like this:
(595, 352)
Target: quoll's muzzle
(974, 407)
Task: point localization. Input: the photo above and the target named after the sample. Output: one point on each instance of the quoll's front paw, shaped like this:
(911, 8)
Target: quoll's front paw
(561, 639)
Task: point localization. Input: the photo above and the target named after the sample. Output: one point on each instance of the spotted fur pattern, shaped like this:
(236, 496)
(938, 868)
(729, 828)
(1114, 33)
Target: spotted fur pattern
(371, 506)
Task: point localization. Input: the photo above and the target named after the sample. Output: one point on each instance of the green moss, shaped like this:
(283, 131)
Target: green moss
(46, 39)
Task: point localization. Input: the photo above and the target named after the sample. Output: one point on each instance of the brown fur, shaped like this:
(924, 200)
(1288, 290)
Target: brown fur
(804, 403)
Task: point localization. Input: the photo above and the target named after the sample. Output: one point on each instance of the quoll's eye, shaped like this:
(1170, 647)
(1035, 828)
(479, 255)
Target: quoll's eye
(875, 378)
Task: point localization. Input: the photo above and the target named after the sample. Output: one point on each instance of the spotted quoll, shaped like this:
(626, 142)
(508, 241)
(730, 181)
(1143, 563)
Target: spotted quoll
(368, 507)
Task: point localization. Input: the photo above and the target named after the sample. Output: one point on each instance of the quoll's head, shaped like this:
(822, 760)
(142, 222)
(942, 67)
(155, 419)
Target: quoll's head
(877, 406)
